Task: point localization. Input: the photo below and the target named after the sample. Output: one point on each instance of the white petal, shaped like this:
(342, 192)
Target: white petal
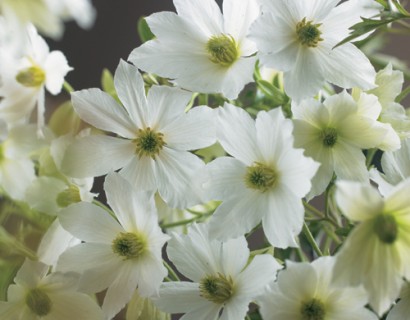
(204, 13)
(141, 172)
(283, 218)
(234, 255)
(357, 201)
(56, 68)
(130, 88)
(344, 156)
(179, 297)
(96, 155)
(176, 171)
(31, 273)
(306, 78)
(102, 111)
(73, 305)
(16, 176)
(131, 208)
(237, 134)
(238, 17)
(89, 223)
(225, 178)
(119, 293)
(241, 213)
(235, 309)
(165, 104)
(339, 69)
(257, 275)
(195, 130)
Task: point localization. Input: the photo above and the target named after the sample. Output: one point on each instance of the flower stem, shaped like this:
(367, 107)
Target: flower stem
(171, 272)
(311, 240)
(67, 87)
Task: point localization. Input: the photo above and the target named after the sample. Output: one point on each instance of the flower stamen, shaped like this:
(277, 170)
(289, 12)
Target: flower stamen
(129, 245)
(308, 33)
(385, 227)
(313, 310)
(38, 302)
(222, 50)
(217, 289)
(149, 143)
(32, 77)
(261, 177)
(329, 137)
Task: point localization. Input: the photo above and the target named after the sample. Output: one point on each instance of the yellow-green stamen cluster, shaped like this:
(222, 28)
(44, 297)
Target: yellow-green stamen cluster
(68, 196)
(222, 50)
(386, 229)
(308, 33)
(149, 143)
(216, 288)
(313, 310)
(261, 177)
(32, 77)
(38, 302)
(129, 245)
(329, 137)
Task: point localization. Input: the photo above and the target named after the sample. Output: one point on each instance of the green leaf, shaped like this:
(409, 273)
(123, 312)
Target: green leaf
(368, 25)
(144, 30)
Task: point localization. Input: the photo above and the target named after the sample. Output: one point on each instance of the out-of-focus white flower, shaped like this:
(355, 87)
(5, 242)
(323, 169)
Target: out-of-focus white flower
(25, 79)
(396, 168)
(264, 180)
(38, 296)
(298, 38)
(401, 310)
(119, 255)
(223, 282)
(335, 132)
(305, 291)
(376, 254)
(16, 166)
(154, 134)
(203, 50)
(47, 16)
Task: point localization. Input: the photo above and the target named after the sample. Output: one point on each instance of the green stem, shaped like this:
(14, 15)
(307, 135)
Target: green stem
(311, 240)
(67, 87)
(370, 156)
(104, 207)
(203, 99)
(183, 222)
(313, 210)
(171, 272)
(403, 94)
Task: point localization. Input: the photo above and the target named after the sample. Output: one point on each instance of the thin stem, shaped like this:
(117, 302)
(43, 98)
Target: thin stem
(67, 87)
(171, 272)
(183, 222)
(311, 240)
(403, 94)
(370, 156)
(313, 210)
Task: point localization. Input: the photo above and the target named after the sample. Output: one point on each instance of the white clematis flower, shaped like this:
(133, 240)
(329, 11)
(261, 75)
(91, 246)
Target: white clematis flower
(119, 255)
(16, 166)
(265, 179)
(223, 283)
(203, 50)
(376, 253)
(298, 38)
(335, 132)
(305, 291)
(154, 134)
(25, 79)
(38, 296)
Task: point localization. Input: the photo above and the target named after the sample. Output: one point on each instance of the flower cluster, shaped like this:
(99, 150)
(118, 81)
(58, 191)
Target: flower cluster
(232, 190)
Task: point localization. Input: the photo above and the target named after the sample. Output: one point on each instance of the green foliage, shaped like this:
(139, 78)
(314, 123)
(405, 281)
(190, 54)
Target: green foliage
(144, 30)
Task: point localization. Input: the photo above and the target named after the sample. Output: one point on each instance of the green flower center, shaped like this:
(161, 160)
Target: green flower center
(386, 229)
(32, 77)
(222, 50)
(261, 177)
(68, 196)
(129, 245)
(313, 310)
(329, 137)
(38, 302)
(217, 289)
(149, 143)
(308, 33)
